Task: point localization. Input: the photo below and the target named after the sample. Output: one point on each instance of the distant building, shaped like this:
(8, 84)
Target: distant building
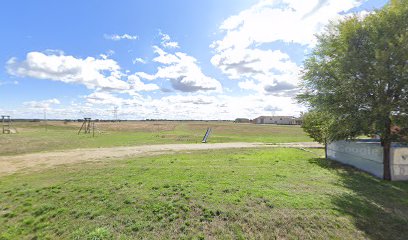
(281, 120)
(242, 120)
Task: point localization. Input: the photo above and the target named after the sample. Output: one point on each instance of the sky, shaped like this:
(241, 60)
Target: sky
(160, 59)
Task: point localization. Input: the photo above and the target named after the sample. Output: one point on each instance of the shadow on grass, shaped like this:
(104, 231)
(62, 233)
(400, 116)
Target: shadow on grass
(378, 208)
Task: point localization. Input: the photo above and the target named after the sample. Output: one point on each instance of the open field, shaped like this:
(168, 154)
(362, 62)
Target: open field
(33, 137)
(252, 193)
(38, 161)
(56, 184)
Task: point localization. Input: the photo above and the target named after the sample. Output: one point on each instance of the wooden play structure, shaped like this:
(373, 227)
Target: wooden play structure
(87, 126)
(7, 126)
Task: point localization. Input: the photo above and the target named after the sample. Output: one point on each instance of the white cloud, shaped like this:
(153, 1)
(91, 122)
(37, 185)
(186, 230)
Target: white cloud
(249, 85)
(170, 44)
(258, 69)
(164, 57)
(105, 55)
(242, 53)
(215, 107)
(44, 104)
(197, 106)
(190, 99)
(93, 73)
(292, 21)
(117, 37)
(262, 65)
(137, 85)
(139, 60)
(145, 76)
(166, 41)
(180, 106)
(183, 72)
(104, 98)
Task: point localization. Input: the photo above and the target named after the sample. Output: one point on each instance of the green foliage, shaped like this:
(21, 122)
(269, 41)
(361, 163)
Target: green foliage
(318, 126)
(358, 72)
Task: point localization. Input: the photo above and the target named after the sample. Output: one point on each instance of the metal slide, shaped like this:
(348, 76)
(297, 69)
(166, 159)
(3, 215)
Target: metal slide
(207, 134)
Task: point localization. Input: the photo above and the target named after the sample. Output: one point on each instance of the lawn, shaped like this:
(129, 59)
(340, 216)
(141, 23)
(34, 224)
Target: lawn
(228, 194)
(34, 137)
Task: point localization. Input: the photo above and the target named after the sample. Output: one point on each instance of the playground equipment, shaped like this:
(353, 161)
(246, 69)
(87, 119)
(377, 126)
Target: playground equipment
(87, 127)
(207, 135)
(7, 125)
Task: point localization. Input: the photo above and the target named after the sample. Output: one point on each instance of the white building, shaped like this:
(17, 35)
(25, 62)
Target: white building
(282, 120)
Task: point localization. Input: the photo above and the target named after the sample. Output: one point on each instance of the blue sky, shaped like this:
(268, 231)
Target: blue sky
(217, 59)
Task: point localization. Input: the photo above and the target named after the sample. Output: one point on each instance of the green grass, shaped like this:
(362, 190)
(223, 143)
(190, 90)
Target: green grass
(32, 137)
(227, 194)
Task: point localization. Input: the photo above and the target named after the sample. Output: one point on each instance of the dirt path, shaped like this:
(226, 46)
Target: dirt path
(37, 161)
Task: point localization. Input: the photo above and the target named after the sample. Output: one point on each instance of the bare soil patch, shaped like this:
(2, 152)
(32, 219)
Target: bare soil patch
(38, 161)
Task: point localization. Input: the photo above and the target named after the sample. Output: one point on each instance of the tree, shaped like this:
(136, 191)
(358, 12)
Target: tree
(318, 126)
(358, 73)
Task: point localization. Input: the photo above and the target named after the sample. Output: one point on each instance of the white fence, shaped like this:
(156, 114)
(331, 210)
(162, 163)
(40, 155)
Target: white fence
(367, 155)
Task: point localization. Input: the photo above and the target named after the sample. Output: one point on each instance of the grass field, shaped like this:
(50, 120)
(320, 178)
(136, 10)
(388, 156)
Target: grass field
(33, 137)
(227, 194)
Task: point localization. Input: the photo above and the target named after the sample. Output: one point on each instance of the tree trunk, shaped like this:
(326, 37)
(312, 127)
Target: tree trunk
(386, 160)
(386, 144)
(325, 150)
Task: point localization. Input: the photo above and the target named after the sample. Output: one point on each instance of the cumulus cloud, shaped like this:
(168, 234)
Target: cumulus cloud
(250, 85)
(136, 84)
(216, 107)
(180, 106)
(117, 37)
(243, 51)
(93, 73)
(102, 74)
(104, 98)
(253, 63)
(191, 106)
(44, 104)
(292, 21)
(281, 88)
(166, 41)
(319, 5)
(183, 72)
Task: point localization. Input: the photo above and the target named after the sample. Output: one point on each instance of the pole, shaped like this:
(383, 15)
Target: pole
(45, 119)
(81, 127)
(115, 113)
